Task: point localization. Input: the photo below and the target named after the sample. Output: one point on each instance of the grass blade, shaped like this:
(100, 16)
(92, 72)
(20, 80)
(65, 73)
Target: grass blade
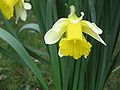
(30, 26)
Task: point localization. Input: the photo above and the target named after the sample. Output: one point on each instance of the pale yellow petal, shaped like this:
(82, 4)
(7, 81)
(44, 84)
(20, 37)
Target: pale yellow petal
(92, 26)
(60, 24)
(27, 6)
(90, 32)
(56, 32)
(23, 14)
(20, 12)
(51, 37)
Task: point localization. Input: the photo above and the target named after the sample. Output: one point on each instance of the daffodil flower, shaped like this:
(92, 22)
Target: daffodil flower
(70, 33)
(7, 7)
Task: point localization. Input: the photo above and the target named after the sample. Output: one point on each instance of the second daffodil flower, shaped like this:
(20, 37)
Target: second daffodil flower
(7, 7)
(70, 33)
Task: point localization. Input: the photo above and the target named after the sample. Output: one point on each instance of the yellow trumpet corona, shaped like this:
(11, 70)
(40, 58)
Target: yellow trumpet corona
(70, 33)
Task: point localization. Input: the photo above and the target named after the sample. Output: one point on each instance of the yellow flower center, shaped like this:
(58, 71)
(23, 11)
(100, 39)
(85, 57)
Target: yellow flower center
(7, 7)
(74, 31)
(74, 44)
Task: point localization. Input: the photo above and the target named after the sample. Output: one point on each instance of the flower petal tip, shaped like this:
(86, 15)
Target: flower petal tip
(85, 57)
(27, 6)
(105, 44)
(59, 53)
(96, 29)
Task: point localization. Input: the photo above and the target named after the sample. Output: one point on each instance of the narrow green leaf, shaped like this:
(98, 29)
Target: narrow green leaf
(39, 7)
(81, 84)
(53, 48)
(99, 7)
(55, 66)
(64, 62)
(49, 14)
(92, 11)
(71, 71)
(30, 26)
(76, 75)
